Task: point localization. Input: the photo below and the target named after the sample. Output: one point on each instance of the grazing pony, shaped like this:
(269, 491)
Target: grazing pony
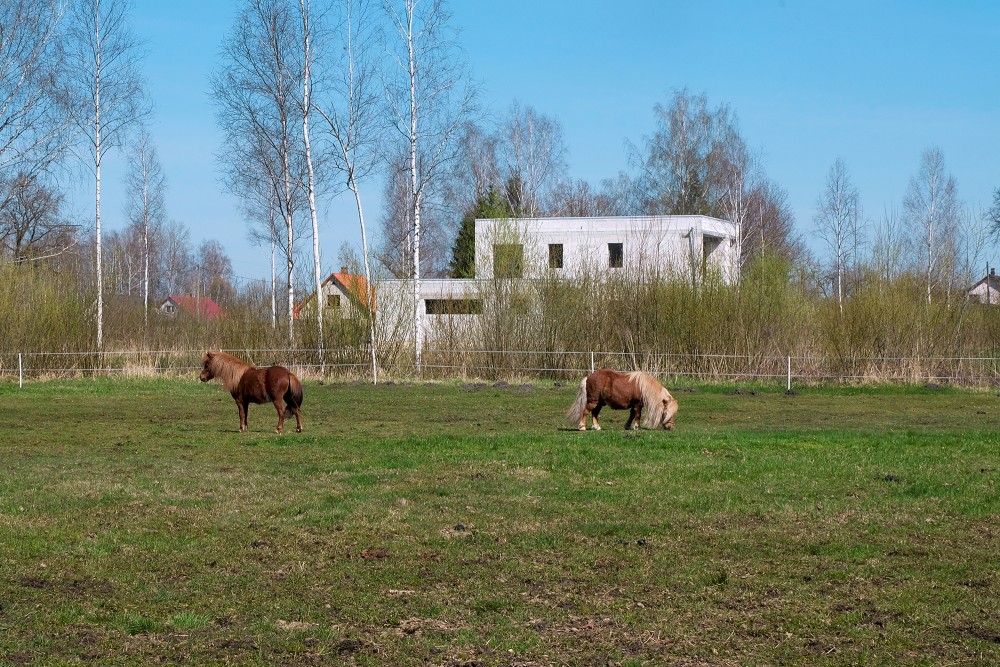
(249, 384)
(633, 391)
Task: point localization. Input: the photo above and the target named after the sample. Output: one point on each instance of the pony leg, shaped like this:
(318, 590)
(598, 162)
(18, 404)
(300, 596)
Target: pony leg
(281, 415)
(593, 416)
(242, 407)
(298, 416)
(634, 416)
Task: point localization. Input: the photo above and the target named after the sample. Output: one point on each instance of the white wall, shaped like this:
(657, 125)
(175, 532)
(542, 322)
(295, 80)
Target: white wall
(665, 243)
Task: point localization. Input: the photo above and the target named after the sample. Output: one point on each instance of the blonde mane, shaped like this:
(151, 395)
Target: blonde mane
(227, 368)
(653, 395)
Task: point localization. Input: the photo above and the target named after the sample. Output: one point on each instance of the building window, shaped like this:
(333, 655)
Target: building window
(555, 255)
(332, 301)
(453, 306)
(616, 255)
(508, 260)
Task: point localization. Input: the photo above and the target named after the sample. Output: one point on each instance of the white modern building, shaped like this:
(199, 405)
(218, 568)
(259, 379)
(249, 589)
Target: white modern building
(683, 245)
(688, 246)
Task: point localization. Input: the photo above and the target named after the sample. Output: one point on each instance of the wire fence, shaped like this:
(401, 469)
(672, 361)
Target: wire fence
(462, 363)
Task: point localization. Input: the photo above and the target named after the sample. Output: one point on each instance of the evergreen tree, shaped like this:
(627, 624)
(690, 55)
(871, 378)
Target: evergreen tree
(463, 252)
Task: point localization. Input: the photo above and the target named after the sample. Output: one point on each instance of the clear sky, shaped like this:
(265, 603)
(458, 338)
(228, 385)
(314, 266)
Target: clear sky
(875, 83)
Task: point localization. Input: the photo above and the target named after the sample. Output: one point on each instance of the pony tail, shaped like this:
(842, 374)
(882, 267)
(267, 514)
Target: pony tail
(295, 391)
(575, 411)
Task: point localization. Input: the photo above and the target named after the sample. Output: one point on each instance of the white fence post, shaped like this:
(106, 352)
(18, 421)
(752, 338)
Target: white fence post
(789, 372)
(591, 361)
(20, 372)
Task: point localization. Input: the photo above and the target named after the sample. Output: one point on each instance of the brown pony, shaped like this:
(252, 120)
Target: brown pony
(249, 384)
(633, 391)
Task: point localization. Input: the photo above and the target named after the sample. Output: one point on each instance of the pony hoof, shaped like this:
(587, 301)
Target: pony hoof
(596, 427)
(582, 428)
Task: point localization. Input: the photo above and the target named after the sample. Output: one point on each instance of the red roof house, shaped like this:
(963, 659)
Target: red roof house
(343, 293)
(199, 306)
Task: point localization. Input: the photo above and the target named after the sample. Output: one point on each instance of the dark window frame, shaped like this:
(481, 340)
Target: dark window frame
(616, 255)
(453, 306)
(556, 255)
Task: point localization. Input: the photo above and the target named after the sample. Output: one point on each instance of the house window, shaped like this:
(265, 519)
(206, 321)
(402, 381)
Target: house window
(333, 301)
(616, 255)
(555, 255)
(453, 306)
(508, 260)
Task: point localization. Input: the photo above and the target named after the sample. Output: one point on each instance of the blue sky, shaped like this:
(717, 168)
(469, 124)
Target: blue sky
(874, 83)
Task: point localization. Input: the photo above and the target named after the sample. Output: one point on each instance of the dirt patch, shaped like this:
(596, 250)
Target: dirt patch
(417, 626)
(374, 553)
(237, 644)
(980, 633)
(34, 582)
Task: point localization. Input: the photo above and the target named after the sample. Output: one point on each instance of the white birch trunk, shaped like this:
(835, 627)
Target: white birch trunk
(369, 294)
(414, 190)
(274, 267)
(97, 196)
(289, 254)
(306, 106)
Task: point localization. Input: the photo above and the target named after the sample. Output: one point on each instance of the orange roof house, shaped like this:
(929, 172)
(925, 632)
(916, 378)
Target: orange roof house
(199, 306)
(343, 294)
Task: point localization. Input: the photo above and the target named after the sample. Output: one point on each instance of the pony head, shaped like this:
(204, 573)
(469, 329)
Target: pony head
(669, 409)
(207, 372)
(225, 367)
(660, 406)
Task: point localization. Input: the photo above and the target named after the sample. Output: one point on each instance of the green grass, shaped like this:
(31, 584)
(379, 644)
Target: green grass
(454, 524)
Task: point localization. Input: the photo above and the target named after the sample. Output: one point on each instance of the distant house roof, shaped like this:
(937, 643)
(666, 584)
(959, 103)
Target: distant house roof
(351, 285)
(200, 306)
(986, 290)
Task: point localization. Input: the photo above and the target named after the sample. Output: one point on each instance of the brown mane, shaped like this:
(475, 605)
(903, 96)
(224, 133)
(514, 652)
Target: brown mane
(227, 368)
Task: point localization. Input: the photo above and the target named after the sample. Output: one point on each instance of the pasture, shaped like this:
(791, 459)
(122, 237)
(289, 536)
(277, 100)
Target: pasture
(462, 524)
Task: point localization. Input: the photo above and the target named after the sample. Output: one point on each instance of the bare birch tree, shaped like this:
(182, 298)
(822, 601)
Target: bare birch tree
(174, 262)
(837, 221)
(256, 93)
(931, 203)
(305, 13)
(353, 114)
(887, 253)
(531, 152)
(522, 157)
(429, 97)
(697, 162)
(103, 59)
(993, 214)
(35, 126)
(32, 225)
(144, 206)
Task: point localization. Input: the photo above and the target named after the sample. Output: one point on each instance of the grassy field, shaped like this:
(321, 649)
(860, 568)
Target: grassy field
(467, 524)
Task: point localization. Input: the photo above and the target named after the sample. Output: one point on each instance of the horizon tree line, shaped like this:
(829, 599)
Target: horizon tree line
(311, 110)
